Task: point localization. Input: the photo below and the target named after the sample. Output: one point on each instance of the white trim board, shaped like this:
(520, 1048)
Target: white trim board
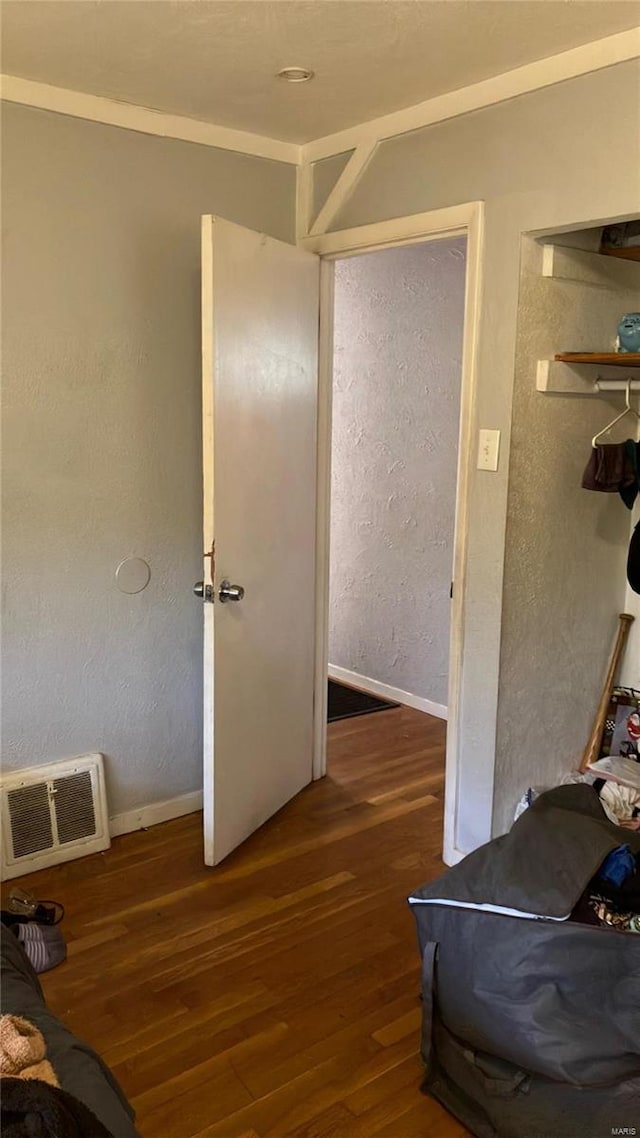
(385, 691)
(155, 812)
(435, 224)
(323, 514)
(344, 187)
(304, 202)
(95, 108)
(594, 56)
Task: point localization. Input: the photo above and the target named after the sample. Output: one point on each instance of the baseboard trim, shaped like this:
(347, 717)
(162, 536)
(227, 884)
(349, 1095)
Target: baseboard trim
(154, 813)
(453, 856)
(385, 691)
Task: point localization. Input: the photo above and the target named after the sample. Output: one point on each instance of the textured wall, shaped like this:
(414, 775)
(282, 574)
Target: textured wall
(396, 398)
(565, 568)
(102, 444)
(527, 160)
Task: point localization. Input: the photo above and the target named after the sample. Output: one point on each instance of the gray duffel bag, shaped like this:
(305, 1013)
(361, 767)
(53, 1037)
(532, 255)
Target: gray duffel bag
(531, 1021)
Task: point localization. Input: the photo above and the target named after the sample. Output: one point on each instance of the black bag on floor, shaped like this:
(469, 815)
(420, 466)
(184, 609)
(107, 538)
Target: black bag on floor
(531, 1022)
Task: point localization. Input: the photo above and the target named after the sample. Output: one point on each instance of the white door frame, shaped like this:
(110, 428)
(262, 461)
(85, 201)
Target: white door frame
(461, 220)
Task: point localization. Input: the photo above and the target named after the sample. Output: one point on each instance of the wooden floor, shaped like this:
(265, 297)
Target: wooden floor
(278, 994)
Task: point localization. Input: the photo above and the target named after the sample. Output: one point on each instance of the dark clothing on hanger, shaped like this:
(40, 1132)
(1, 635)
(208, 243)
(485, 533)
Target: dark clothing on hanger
(633, 560)
(613, 469)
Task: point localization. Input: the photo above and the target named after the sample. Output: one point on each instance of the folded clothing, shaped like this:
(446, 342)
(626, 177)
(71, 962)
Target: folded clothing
(23, 1051)
(43, 944)
(616, 768)
(612, 897)
(618, 866)
(620, 803)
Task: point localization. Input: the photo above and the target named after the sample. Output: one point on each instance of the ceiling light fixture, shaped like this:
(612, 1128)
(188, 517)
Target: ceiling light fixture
(295, 74)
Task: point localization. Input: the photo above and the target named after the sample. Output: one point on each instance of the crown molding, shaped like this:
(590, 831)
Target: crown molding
(618, 48)
(95, 108)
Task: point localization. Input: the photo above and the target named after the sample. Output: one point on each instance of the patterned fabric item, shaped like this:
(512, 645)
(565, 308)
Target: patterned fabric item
(43, 944)
(622, 728)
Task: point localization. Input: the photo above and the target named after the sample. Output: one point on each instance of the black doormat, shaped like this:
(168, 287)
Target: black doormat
(346, 702)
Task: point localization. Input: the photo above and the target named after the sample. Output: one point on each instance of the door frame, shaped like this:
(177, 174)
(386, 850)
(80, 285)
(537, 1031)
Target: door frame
(461, 220)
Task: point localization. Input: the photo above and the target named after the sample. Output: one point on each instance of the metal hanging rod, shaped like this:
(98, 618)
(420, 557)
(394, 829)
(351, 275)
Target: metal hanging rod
(628, 383)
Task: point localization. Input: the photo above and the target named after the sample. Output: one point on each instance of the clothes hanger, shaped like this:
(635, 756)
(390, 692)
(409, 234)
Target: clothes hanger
(628, 409)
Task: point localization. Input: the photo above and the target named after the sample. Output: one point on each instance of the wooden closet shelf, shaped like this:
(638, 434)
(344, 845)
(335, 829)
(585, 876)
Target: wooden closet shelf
(630, 253)
(610, 359)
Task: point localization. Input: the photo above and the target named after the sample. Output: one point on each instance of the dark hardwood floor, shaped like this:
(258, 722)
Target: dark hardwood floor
(276, 995)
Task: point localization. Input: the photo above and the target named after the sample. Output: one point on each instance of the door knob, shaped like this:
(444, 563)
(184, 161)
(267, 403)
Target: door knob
(229, 592)
(204, 591)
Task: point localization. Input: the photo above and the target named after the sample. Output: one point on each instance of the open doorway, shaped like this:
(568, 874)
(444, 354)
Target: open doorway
(269, 649)
(398, 320)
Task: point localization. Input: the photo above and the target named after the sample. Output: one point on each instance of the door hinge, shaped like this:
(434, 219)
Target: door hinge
(212, 562)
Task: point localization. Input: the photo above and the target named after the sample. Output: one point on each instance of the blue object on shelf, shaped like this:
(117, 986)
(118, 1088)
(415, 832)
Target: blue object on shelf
(629, 333)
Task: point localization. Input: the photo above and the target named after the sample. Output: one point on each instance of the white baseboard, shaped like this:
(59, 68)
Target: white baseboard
(453, 856)
(385, 691)
(155, 812)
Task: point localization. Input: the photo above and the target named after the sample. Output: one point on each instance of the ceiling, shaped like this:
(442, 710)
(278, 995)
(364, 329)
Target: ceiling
(216, 61)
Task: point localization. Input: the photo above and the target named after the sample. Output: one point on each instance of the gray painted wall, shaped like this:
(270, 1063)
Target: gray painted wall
(529, 160)
(101, 350)
(396, 406)
(102, 444)
(325, 175)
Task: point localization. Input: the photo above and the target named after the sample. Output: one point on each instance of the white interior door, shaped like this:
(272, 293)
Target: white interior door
(260, 392)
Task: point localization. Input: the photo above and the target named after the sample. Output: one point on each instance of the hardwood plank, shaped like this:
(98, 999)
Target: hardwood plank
(275, 996)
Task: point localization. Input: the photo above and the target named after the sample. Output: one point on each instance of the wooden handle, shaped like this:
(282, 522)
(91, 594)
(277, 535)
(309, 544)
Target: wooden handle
(592, 749)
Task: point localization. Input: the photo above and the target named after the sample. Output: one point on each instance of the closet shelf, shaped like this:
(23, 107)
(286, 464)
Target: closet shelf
(569, 374)
(609, 359)
(630, 253)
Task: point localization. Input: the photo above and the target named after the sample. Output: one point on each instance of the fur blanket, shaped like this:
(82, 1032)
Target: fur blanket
(23, 1051)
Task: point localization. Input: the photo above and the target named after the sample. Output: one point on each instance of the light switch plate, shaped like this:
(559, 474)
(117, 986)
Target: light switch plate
(488, 449)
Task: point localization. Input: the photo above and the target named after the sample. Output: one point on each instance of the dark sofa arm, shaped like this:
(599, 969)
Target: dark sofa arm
(80, 1070)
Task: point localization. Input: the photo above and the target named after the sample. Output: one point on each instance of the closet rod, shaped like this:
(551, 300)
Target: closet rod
(604, 384)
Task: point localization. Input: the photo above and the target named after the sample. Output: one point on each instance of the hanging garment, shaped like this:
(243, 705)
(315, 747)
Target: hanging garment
(613, 469)
(633, 560)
